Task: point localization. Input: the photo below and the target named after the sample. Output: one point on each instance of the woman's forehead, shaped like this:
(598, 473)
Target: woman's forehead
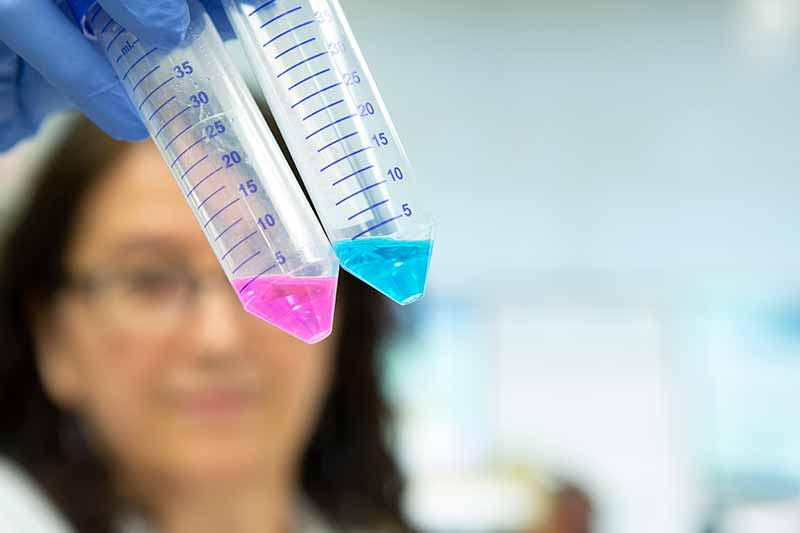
(135, 202)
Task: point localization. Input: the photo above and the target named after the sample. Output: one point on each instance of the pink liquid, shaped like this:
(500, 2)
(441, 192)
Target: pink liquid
(302, 307)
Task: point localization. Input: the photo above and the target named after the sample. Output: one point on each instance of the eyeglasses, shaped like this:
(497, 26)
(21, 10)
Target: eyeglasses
(149, 300)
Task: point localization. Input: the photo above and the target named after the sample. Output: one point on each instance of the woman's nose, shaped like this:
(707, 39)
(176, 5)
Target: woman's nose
(218, 326)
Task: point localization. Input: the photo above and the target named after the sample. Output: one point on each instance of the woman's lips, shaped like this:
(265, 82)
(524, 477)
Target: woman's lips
(215, 403)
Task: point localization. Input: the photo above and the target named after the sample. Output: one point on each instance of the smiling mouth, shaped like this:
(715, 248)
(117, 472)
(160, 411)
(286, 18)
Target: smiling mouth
(211, 404)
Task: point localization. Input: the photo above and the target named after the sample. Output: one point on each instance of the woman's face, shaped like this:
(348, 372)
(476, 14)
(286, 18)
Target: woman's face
(195, 389)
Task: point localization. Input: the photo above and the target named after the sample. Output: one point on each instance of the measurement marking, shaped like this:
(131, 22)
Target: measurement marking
(338, 141)
(320, 73)
(376, 226)
(162, 106)
(137, 62)
(194, 165)
(323, 109)
(199, 183)
(256, 277)
(230, 250)
(198, 141)
(301, 63)
(226, 230)
(315, 94)
(211, 196)
(330, 125)
(167, 123)
(144, 78)
(190, 126)
(370, 208)
(262, 6)
(290, 30)
(99, 10)
(235, 270)
(365, 189)
(155, 90)
(270, 21)
(110, 22)
(114, 39)
(295, 47)
(218, 212)
(356, 173)
(346, 157)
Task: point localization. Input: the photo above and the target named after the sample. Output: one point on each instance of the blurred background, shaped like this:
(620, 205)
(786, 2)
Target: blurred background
(612, 328)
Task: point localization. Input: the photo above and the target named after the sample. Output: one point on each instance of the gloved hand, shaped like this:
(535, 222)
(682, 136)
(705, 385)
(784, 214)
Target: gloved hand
(47, 65)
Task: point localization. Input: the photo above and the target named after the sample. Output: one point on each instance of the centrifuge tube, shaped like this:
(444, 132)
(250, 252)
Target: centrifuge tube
(229, 167)
(338, 130)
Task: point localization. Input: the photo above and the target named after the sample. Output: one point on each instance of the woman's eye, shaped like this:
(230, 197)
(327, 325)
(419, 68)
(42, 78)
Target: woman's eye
(154, 283)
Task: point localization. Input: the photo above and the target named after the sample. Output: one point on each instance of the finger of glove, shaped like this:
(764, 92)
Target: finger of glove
(14, 125)
(162, 23)
(26, 99)
(49, 42)
(36, 100)
(217, 12)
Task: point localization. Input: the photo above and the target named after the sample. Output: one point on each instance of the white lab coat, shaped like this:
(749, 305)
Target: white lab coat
(24, 509)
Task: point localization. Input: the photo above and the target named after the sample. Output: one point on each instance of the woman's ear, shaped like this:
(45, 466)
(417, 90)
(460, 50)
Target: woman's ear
(58, 366)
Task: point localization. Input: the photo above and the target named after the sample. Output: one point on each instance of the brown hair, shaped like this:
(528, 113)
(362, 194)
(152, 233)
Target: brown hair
(348, 471)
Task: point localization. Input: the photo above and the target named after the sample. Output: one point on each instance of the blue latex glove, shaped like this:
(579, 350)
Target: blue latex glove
(47, 65)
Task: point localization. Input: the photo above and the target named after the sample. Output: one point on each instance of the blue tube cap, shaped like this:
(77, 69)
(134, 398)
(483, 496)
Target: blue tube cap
(80, 10)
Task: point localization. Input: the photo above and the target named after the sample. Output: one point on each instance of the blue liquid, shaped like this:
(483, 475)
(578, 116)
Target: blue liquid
(398, 269)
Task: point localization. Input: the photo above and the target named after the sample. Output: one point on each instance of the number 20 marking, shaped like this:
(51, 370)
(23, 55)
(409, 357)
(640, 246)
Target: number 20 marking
(231, 159)
(366, 109)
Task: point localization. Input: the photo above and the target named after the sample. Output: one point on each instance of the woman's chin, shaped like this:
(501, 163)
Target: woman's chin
(220, 463)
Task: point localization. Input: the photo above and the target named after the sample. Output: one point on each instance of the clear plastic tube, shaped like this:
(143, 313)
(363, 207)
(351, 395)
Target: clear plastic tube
(339, 132)
(229, 167)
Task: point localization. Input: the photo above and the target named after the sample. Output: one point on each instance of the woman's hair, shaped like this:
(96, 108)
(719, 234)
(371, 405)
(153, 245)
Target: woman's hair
(348, 472)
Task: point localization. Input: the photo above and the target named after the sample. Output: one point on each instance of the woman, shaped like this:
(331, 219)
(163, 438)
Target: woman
(136, 393)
